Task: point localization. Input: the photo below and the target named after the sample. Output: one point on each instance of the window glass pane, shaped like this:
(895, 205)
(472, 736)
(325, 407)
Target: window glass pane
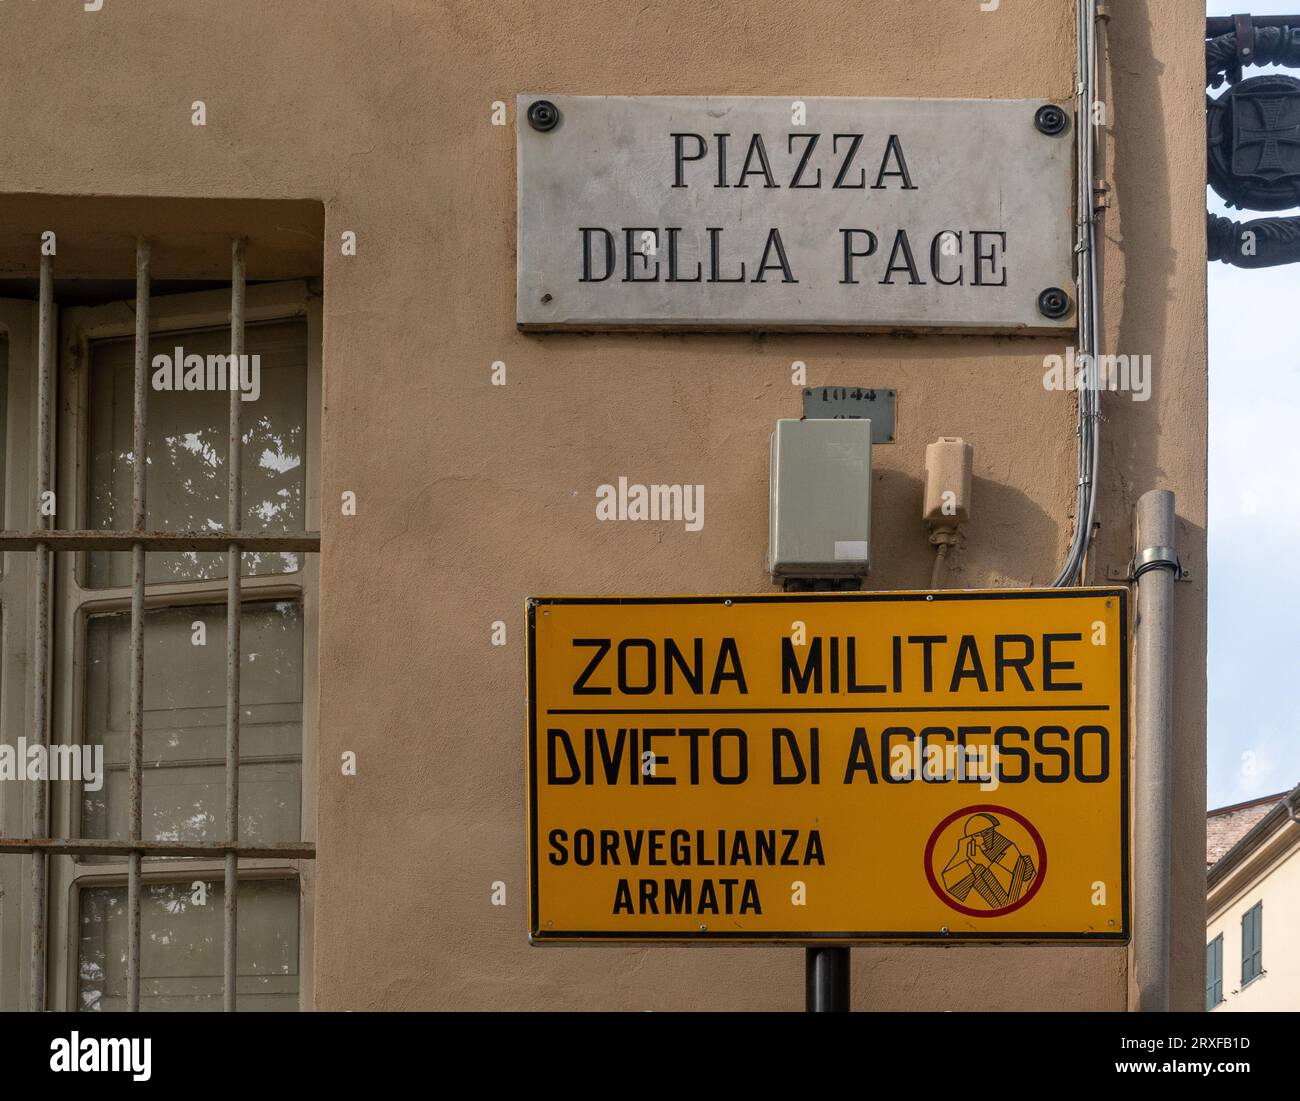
(181, 946)
(184, 786)
(188, 434)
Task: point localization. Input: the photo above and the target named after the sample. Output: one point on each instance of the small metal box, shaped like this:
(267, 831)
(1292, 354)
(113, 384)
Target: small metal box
(820, 509)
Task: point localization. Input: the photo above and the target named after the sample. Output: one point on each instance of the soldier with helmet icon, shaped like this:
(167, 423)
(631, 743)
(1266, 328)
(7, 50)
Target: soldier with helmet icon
(988, 863)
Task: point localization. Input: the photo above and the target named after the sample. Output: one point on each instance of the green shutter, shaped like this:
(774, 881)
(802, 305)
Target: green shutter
(1214, 972)
(1252, 943)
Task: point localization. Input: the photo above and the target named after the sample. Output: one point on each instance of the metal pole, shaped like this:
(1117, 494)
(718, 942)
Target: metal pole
(826, 980)
(1154, 568)
(40, 703)
(235, 522)
(140, 460)
(825, 970)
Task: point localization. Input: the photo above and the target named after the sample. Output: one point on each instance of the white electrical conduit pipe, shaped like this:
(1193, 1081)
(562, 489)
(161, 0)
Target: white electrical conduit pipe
(1089, 414)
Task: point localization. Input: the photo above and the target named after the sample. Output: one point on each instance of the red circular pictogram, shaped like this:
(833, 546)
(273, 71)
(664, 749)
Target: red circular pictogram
(1031, 888)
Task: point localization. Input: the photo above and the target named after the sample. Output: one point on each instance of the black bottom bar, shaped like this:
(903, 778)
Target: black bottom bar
(1087, 1050)
(826, 980)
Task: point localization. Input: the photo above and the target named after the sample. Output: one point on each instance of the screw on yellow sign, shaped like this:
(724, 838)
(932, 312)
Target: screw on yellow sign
(845, 767)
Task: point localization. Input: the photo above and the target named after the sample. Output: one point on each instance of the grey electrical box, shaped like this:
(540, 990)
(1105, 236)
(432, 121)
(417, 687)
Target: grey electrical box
(820, 509)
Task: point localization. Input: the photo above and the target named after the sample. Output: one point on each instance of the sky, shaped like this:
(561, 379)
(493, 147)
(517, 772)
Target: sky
(1254, 513)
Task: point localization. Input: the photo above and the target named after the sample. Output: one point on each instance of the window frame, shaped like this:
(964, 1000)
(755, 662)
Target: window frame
(19, 321)
(74, 603)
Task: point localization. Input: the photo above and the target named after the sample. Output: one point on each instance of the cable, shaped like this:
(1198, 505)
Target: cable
(936, 575)
(1088, 424)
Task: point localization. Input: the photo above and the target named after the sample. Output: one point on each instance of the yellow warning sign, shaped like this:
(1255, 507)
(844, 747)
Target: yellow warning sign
(840, 767)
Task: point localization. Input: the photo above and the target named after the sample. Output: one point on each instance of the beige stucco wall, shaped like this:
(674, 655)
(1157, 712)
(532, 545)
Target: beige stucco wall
(1273, 878)
(472, 497)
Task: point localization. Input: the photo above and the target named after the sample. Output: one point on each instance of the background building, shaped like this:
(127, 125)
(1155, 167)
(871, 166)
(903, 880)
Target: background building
(1251, 959)
(329, 118)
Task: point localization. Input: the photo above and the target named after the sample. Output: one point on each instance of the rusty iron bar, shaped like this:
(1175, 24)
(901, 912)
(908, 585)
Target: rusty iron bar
(139, 468)
(89, 846)
(41, 690)
(307, 542)
(234, 522)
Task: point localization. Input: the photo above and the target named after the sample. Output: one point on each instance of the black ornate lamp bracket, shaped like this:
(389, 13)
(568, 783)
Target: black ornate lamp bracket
(1253, 141)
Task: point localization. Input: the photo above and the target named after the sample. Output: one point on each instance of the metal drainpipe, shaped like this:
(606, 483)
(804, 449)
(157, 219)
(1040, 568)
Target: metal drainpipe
(1155, 567)
(1292, 816)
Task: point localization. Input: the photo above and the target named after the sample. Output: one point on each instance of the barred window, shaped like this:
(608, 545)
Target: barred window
(158, 876)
